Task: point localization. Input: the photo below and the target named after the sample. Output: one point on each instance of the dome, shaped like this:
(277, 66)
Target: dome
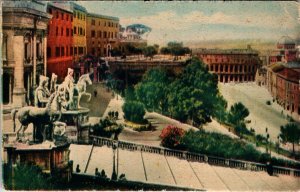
(286, 40)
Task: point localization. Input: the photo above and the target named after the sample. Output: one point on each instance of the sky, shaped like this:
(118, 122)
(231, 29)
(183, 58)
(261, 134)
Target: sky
(200, 21)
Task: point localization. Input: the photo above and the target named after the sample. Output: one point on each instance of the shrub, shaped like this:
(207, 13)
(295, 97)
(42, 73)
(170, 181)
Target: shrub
(26, 177)
(171, 136)
(268, 102)
(134, 111)
(107, 128)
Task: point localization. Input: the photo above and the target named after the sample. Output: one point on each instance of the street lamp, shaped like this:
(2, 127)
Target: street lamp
(114, 175)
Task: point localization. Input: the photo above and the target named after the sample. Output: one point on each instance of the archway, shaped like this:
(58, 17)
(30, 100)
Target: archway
(6, 88)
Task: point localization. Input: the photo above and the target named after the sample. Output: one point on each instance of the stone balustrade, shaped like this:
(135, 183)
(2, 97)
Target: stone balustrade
(218, 161)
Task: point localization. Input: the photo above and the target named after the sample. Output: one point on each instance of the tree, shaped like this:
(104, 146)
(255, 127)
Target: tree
(149, 51)
(165, 51)
(134, 111)
(192, 95)
(290, 133)
(237, 114)
(152, 90)
(171, 136)
(220, 112)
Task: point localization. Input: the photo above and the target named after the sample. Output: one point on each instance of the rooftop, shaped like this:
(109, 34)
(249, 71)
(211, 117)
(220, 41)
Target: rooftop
(286, 40)
(102, 16)
(61, 5)
(77, 7)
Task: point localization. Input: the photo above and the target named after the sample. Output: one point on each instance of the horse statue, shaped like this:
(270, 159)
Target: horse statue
(83, 81)
(39, 116)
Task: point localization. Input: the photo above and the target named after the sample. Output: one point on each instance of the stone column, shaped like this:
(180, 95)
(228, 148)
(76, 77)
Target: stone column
(45, 54)
(19, 90)
(34, 60)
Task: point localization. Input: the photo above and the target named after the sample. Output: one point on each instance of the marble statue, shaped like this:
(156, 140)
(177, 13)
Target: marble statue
(42, 93)
(39, 116)
(53, 86)
(83, 81)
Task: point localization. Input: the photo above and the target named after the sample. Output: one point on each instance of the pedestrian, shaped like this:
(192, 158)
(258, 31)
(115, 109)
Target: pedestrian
(270, 168)
(95, 93)
(77, 169)
(97, 173)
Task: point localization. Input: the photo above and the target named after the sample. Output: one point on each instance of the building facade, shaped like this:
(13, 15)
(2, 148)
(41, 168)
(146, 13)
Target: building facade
(79, 31)
(102, 34)
(24, 49)
(60, 39)
(234, 65)
(286, 51)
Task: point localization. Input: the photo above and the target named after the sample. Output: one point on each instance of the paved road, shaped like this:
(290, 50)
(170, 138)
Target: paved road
(156, 168)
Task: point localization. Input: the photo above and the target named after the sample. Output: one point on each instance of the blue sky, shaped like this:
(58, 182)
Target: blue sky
(197, 21)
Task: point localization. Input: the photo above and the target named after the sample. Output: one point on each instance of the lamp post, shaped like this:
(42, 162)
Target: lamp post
(114, 175)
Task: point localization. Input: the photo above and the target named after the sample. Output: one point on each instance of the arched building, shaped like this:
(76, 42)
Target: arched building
(23, 50)
(231, 65)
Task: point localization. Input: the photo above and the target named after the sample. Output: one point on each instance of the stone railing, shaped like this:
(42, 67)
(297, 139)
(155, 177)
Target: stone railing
(218, 161)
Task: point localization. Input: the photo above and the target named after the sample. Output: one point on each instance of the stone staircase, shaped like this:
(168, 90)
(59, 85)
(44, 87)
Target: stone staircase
(169, 170)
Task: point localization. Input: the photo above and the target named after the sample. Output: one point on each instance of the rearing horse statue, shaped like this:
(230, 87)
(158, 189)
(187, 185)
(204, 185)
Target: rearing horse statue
(83, 81)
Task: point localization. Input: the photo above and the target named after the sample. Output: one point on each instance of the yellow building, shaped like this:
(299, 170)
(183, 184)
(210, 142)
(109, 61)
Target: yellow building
(102, 34)
(79, 31)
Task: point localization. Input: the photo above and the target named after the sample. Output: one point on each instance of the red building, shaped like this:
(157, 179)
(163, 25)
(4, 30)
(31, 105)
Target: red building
(286, 51)
(231, 65)
(60, 39)
(288, 92)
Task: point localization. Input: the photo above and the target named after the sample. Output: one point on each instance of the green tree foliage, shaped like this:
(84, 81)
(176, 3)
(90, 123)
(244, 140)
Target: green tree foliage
(290, 133)
(175, 48)
(237, 114)
(171, 136)
(107, 127)
(192, 95)
(26, 177)
(130, 94)
(134, 111)
(152, 90)
(220, 112)
(149, 51)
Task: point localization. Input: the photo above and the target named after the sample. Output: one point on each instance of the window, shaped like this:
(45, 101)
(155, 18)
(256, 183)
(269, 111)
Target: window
(57, 15)
(62, 16)
(93, 33)
(67, 17)
(56, 31)
(62, 51)
(57, 51)
(4, 48)
(71, 32)
(116, 35)
(67, 51)
(80, 50)
(48, 52)
(62, 31)
(50, 10)
(75, 14)
(75, 50)
(80, 31)
(71, 51)
(99, 34)
(105, 34)
(74, 31)
(71, 18)
(93, 22)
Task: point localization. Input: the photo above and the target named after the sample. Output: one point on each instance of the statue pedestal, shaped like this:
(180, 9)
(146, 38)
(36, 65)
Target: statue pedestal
(19, 97)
